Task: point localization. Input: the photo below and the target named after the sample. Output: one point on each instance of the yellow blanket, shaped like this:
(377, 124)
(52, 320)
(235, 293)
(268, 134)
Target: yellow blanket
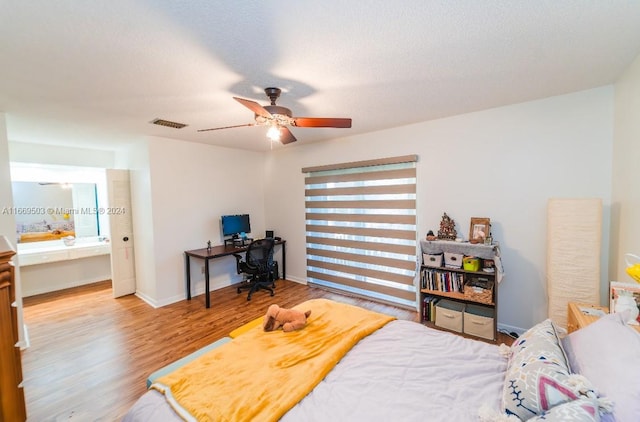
(259, 376)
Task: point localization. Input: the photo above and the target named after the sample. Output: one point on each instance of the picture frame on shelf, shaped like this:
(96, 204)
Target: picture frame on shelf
(479, 229)
(624, 297)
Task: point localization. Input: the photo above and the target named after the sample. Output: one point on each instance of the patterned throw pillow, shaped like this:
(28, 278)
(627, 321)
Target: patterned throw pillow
(581, 410)
(538, 377)
(539, 342)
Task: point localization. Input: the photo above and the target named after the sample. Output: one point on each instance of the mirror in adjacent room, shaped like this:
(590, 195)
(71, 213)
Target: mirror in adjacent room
(51, 210)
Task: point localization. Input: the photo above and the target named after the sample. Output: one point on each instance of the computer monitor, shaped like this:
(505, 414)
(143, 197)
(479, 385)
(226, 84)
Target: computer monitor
(233, 225)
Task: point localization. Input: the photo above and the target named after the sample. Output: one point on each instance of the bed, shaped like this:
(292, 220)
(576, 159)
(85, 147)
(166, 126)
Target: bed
(397, 370)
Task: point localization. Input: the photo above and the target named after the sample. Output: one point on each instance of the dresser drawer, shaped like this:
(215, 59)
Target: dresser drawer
(43, 257)
(84, 252)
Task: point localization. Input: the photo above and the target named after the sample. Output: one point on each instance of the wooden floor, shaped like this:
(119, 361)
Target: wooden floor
(90, 354)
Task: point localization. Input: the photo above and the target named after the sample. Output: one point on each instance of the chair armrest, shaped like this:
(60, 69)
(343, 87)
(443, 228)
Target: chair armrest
(238, 262)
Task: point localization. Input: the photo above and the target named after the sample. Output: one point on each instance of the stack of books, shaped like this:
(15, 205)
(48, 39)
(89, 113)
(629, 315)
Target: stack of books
(444, 281)
(429, 308)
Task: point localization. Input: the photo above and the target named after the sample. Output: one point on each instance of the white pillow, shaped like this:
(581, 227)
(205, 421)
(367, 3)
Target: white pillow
(607, 352)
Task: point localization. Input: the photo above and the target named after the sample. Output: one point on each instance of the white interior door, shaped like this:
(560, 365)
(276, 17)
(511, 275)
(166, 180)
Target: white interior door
(123, 274)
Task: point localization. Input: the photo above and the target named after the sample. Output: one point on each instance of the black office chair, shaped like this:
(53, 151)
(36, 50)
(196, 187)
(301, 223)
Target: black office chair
(259, 265)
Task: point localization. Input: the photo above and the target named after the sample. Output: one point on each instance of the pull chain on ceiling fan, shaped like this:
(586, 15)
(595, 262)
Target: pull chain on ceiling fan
(278, 118)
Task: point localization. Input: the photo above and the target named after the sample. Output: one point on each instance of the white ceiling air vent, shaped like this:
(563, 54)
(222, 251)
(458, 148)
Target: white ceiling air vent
(167, 123)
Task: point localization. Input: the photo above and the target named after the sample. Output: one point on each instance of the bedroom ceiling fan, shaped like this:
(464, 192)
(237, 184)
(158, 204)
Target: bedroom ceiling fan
(277, 118)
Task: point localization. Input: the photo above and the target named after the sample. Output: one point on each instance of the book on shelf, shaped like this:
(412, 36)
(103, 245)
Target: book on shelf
(443, 281)
(428, 308)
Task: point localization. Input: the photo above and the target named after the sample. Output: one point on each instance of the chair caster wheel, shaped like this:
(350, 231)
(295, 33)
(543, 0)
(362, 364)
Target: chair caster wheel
(272, 294)
(248, 298)
(238, 290)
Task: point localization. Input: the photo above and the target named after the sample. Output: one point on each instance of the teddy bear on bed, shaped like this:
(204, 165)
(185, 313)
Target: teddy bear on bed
(288, 319)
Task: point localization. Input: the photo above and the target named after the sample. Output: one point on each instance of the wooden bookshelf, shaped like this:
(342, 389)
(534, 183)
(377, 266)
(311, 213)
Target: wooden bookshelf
(449, 283)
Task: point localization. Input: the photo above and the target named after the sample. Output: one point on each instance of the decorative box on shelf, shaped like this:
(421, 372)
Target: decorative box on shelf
(471, 263)
(434, 261)
(453, 260)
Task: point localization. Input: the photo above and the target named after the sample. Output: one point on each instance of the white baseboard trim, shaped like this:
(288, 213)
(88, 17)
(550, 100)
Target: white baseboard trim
(298, 280)
(198, 291)
(147, 299)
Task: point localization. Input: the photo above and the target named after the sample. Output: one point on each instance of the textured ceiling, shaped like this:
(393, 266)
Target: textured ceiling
(95, 73)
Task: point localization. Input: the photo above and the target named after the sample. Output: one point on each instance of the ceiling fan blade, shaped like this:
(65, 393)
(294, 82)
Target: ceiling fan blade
(286, 137)
(225, 127)
(322, 122)
(253, 106)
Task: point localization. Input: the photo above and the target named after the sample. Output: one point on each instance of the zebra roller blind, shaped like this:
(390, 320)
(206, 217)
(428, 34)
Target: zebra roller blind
(361, 228)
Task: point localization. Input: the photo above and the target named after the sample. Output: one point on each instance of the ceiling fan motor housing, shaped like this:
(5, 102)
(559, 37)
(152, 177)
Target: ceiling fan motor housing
(281, 116)
(274, 109)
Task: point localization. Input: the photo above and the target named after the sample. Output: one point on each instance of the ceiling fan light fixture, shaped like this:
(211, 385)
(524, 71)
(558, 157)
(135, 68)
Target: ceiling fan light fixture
(279, 118)
(273, 133)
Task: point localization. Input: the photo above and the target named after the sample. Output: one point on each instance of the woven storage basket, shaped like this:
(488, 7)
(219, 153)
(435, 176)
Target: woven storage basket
(482, 294)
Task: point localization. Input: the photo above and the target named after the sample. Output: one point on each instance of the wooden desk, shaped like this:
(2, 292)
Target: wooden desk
(577, 319)
(219, 252)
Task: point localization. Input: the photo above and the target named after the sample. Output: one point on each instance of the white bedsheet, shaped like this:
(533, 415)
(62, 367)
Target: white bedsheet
(404, 371)
(408, 372)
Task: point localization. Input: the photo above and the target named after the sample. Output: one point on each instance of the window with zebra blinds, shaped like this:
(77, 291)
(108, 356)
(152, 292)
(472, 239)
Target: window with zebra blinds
(361, 228)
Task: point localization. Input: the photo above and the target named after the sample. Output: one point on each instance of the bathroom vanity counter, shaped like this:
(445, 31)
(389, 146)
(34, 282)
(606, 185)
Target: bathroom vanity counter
(50, 266)
(55, 250)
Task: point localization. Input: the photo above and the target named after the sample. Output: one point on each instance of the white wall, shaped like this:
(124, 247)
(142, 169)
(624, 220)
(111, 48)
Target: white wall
(68, 156)
(188, 186)
(625, 225)
(136, 160)
(503, 163)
